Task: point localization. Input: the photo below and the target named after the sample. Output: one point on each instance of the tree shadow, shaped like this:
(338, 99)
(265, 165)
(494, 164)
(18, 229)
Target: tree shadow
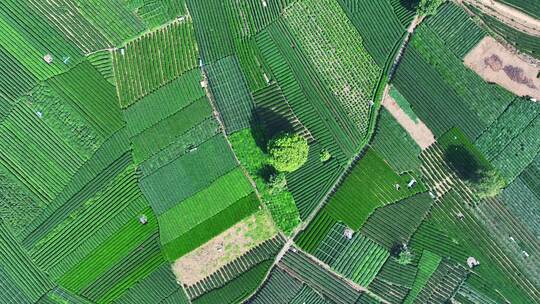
(466, 165)
(266, 124)
(410, 5)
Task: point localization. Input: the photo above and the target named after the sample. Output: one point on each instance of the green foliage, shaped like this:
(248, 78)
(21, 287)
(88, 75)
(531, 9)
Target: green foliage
(405, 257)
(429, 7)
(325, 155)
(277, 183)
(288, 152)
(280, 203)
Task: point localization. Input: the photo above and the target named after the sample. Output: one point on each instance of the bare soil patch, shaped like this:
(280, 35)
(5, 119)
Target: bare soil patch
(494, 63)
(224, 248)
(421, 134)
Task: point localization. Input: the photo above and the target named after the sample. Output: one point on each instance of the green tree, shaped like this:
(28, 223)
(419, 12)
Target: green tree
(288, 152)
(325, 155)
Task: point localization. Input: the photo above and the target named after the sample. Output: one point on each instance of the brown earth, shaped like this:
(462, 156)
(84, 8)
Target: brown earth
(494, 63)
(421, 134)
(224, 248)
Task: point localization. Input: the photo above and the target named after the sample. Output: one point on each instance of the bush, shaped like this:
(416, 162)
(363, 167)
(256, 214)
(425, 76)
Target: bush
(325, 156)
(277, 183)
(288, 152)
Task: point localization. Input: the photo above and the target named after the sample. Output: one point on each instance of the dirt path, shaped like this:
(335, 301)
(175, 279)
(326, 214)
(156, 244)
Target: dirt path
(421, 134)
(508, 15)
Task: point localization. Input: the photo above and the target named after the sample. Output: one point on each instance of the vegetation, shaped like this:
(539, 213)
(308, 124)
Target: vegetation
(133, 133)
(364, 192)
(470, 165)
(271, 185)
(288, 152)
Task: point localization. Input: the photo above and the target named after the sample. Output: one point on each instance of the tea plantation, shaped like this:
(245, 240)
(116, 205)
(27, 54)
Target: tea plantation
(139, 164)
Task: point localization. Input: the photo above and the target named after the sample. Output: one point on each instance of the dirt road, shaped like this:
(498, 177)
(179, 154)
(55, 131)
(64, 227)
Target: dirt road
(508, 15)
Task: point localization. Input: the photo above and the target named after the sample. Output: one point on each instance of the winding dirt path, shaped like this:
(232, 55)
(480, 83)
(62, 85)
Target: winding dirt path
(508, 15)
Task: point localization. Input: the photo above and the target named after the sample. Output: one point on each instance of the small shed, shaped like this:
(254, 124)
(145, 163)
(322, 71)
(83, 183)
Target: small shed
(143, 219)
(411, 183)
(472, 262)
(48, 58)
(348, 233)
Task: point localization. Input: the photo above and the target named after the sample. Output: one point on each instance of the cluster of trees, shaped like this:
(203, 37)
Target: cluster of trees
(424, 7)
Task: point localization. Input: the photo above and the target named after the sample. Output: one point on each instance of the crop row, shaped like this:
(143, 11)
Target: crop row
(213, 226)
(163, 102)
(454, 26)
(35, 154)
(318, 278)
(487, 100)
(363, 192)
(231, 94)
(156, 58)
(263, 252)
(28, 37)
(164, 132)
(393, 143)
(347, 70)
(188, 174)
(378, 24)
(203, 205)
(361, 260)
(394, 224)
(17, 268)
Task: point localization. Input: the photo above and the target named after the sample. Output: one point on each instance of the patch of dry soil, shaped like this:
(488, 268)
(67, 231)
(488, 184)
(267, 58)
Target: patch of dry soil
(494, 63)
(224, 248)
(417, 130)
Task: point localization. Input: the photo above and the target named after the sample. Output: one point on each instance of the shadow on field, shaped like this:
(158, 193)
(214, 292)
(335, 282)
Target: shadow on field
(265, 124)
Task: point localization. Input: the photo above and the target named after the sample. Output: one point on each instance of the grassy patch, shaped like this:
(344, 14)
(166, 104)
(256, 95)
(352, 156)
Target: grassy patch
(281, 204)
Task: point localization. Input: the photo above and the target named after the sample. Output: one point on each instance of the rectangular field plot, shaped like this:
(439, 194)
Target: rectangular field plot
(188, 174)
(362, 191)
(167, 130)
(203, 205)
(347, 69)
(154, 59)
(213, 226)
(232, 96)
(163, 102)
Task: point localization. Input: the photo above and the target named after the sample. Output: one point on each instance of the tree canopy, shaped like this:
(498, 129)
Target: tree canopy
(288, 152)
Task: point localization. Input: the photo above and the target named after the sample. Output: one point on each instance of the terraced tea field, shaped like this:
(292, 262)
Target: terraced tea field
(226, 151)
